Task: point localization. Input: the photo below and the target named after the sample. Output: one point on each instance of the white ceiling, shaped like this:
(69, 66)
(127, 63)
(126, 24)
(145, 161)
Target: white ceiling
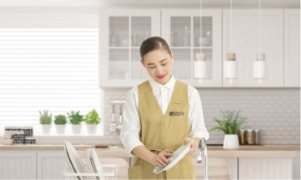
(153, 3)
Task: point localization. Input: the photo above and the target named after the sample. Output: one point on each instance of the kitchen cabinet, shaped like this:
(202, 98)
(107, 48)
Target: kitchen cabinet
(244, 35)
(265, 168)
(31, 164)
(292, 48)
(191, 31)
(51, 164)
(122, 31)
(18, 164)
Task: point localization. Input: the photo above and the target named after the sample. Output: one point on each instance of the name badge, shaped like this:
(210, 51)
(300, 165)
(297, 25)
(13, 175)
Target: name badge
(176, 113)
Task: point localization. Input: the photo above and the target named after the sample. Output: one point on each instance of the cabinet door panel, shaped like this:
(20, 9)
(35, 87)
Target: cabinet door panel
(245, 37)
(121, 34)
(189, 32)
(51, 164)
(17, 165)
(276, 168)
(292, 48)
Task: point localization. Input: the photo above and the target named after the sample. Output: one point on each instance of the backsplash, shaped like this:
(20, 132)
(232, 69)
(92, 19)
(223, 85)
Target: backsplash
(275, 111)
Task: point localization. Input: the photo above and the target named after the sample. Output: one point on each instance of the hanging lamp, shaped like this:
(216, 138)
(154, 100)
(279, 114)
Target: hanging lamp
(259, 63)
(200, 66)
(230, 63)
(200, 63)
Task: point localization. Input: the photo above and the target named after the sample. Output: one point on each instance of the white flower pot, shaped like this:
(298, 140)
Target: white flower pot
(76, 129)
(231, 141)
(46, 128)
(60, 128)
(92, 128)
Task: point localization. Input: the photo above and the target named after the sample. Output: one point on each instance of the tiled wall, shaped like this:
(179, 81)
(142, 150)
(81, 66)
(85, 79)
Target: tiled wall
(275, 111)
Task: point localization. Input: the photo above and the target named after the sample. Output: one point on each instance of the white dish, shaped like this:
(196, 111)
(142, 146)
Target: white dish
(74, 159)
(177, 156)
(94, 160)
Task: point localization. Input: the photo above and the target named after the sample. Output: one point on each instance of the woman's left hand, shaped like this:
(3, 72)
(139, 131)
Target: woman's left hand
(194, 145)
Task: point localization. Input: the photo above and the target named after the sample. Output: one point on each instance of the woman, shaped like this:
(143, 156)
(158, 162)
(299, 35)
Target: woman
(160, 115)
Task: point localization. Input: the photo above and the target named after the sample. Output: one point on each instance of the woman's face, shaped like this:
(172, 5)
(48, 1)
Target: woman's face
(158, 64)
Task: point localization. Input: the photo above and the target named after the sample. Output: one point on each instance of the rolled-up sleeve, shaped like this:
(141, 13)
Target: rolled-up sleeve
(131, 127)
(196, 117)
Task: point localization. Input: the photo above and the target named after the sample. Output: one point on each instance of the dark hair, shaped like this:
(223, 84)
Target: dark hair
(153, 43)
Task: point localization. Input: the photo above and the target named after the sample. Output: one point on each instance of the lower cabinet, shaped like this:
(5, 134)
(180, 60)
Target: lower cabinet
(32, 164)
(265, 168)
(17, 164)
(51, 164)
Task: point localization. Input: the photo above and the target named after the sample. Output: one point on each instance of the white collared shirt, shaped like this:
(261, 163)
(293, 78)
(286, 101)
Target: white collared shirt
(131, 123)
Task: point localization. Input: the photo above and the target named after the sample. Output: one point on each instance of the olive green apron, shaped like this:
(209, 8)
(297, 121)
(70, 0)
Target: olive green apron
(163, 132)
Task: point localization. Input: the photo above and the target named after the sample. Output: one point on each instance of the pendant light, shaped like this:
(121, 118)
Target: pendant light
(200, 63)
(259, 63)
(200, 66)
(230, 63)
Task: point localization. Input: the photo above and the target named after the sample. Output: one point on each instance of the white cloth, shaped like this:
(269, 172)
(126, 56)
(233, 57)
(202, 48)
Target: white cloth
(131, 123)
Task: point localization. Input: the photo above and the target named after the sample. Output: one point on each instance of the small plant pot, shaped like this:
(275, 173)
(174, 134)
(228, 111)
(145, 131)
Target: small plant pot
(92, 128)
(231, 141)
(76, 129)
(60, 128)
(46, 128)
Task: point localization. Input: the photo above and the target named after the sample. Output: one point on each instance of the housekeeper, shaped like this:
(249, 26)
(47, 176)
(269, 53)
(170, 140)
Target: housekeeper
(160, 115)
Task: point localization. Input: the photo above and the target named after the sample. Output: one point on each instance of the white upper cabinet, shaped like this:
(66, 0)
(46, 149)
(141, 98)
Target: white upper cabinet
(121, 33)
(292, 48)
(244, 35)
(189, 35)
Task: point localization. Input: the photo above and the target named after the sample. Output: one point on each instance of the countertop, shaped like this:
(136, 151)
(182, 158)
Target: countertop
(254, 151)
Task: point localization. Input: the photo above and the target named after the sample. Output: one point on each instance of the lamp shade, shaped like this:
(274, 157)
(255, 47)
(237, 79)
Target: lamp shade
(230, 66)
(259, 66)
(200, 69)
(200, 66)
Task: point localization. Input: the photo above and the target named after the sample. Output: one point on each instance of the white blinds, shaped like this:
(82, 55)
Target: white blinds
(53, 69)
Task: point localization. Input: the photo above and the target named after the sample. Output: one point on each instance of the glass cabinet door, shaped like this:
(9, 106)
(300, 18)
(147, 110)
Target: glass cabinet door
(120, 44)
(190, 33)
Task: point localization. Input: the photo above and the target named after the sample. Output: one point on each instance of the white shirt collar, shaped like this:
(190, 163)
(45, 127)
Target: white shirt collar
(169, 85)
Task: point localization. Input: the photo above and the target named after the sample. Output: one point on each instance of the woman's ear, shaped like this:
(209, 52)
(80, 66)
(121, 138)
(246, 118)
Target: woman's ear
(172, 56)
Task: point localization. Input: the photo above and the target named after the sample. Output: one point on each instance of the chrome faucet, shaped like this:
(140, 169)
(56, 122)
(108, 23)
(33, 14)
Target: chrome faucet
(203, 148)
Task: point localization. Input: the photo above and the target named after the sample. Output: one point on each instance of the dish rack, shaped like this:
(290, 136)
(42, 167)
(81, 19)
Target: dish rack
(92, 169)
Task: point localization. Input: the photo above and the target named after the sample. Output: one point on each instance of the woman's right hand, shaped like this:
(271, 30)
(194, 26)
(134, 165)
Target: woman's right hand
(161, 159)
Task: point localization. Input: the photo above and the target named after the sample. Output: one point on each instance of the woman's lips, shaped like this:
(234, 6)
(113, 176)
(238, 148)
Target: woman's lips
(161, 77)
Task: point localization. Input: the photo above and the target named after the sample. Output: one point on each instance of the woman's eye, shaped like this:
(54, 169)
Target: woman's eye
(163, 64)
(151, 67)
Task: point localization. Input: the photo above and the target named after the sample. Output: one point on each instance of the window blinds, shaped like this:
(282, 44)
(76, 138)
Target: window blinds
(47, 68)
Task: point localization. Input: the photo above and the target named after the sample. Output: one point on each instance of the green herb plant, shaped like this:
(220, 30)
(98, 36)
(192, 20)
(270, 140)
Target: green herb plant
(60, 119)
(45, 117)
(75, 118)
(230, 122)
(92, 117)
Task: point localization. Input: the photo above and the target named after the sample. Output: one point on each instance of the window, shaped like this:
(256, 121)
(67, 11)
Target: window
(47, 68)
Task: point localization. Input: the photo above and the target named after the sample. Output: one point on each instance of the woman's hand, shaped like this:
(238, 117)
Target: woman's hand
(194, 145)
(161, 159)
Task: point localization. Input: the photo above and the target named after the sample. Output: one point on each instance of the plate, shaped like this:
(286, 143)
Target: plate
(74, 159)
(177, 156)
(94, 160)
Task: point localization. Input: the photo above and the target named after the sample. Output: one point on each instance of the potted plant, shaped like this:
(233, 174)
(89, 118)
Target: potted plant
(45, 121)
(230, 123)
(75, 118)
(60, 123)
(92, 120)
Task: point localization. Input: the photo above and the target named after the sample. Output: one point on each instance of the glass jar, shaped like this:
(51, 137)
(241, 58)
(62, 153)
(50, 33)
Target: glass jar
(241, 136)
(250, 137)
